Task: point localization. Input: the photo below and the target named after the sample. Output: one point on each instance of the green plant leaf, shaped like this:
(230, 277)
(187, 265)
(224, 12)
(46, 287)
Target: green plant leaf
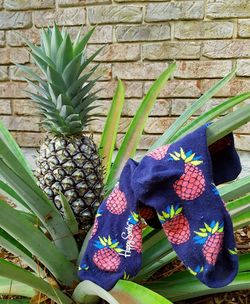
(14, 288)
(8, 139)
(110, 130)
(15, 301)
(239, 203)
(133, 135)
(125, 290)
(30, 72)
(13, 272)
(210, 115)
(88, 292)
(235, 189)
(79, 46)
(45, 42)
(13, 246)
(176, 126)
(14, 174)
(242, 220)
(183, 285)
(56, 40)
(64, 54)
(228, 123)
(68, 215)
(37, 52)
(37, 243)
(7, 191)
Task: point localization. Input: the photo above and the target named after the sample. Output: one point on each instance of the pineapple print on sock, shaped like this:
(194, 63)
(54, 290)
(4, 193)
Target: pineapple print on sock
(116, 202)
(96, 223)
(135, 237)
(107, 256)
(211, 237)
(192, 182)
(175, 224)
(159, 153)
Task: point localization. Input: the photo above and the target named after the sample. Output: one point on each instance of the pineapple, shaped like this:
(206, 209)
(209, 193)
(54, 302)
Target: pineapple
(116, 202)
(107, 257)
(96, 223)
(192, 182)
(68, 161)
(175, 224)
(211, 237)
(159, 153)
(136, 236)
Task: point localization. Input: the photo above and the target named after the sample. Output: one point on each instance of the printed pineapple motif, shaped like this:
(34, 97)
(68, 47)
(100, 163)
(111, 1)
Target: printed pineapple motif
(197, 270)
(192, 182)
(126, 276)
(107, 257)
(136, 236)
(211, 237)
(95, 227)
(233, 251)
(175, 224)
(116, 202)
(159, 153)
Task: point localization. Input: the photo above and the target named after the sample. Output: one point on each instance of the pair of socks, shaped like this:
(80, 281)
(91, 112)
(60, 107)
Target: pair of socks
(173, 188)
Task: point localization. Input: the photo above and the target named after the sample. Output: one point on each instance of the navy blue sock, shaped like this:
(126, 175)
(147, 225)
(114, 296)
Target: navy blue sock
(115, 246)
(177, 183)
(180, 185)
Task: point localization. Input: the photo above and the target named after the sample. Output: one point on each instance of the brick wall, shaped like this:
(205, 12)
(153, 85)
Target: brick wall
(206, 38)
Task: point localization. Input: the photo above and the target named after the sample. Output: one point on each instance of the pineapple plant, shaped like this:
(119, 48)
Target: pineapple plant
(211, 237)
(136, 235)
(53, 247)
(116, 202)
(68, 160)
(107, 256)
(175, 224)
(96, 223)
(192, 182)
(159, 153)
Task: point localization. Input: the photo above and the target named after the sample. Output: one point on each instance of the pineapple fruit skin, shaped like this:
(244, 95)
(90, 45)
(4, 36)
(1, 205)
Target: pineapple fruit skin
(71, 165)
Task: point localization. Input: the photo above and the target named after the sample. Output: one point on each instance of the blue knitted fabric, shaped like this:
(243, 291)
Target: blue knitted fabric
(179, 183)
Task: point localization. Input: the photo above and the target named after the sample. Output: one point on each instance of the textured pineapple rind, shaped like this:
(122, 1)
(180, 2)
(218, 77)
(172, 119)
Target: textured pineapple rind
(71, 165)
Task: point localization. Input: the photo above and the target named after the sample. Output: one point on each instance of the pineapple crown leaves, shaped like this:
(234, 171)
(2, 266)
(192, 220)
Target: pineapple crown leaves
(197, 270)
(64, 95)
(188, 157)
(108, 243)
(207, 231)
(134, 218)
(170, 212)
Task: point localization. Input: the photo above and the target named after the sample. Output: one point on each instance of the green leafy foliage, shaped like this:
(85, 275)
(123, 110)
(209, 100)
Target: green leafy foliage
(35, 230)
(63, 97)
